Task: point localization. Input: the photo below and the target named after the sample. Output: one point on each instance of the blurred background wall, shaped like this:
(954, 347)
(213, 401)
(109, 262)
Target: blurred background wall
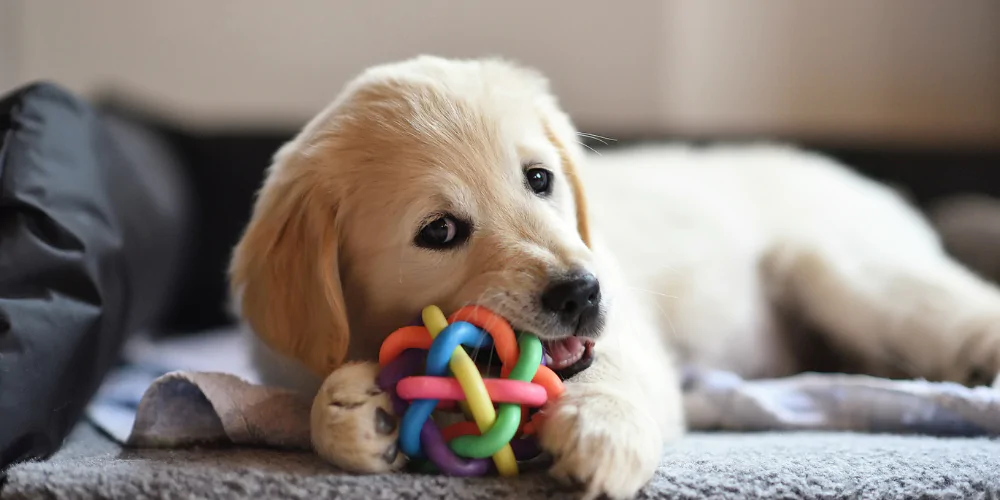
(905, 91)
(889, 71)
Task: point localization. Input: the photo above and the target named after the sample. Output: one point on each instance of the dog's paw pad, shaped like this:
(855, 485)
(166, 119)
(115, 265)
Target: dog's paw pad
(385, 423)
(391, 453)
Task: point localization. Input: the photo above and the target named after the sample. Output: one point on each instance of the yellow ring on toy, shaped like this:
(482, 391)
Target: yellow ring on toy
(476, 396)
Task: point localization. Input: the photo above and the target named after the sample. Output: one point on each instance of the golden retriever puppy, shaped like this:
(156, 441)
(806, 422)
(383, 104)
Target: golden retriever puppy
(455, 182)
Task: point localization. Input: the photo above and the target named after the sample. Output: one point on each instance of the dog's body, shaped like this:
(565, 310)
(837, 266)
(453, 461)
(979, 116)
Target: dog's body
(722, 257)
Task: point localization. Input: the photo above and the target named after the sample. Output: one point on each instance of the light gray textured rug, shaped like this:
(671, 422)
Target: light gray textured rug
(766, 465)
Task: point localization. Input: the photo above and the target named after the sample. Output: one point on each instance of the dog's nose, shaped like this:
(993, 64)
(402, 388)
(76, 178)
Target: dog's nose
(573, 297)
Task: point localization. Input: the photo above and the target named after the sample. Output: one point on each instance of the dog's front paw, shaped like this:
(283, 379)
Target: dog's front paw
(601, 441)
(352, 423)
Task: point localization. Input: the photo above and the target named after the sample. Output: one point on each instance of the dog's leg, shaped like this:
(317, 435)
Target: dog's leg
(352, 423)
(901, 308)
(608, 430)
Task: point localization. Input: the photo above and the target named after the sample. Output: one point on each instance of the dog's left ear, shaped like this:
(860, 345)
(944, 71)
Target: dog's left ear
(569, 165)
(285, 268)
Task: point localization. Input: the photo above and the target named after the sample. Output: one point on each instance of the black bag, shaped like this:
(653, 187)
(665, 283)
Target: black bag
(93, 215)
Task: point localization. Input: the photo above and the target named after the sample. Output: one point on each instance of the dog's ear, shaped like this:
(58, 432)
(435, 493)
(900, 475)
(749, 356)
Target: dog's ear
(285, 268)
(569, 164)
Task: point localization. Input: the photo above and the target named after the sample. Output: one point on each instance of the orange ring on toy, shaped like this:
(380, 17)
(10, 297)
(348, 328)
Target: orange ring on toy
(408, 337)
(548, 379)
(531, 426)
(504, 340)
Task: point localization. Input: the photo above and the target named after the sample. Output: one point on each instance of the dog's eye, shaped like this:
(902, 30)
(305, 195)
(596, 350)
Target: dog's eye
(539, 180)
(444, 232)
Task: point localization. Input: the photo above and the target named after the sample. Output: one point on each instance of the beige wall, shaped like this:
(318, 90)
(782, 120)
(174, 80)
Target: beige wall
(917, 69)
(912, 70)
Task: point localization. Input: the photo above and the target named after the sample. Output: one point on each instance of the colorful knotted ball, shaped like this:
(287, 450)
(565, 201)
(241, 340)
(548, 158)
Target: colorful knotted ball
(426, 368)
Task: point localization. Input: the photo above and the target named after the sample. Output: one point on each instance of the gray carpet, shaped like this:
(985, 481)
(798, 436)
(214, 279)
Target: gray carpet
(803, 465)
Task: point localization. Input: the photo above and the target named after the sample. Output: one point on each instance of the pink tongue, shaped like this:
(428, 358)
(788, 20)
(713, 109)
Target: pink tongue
(565, 352)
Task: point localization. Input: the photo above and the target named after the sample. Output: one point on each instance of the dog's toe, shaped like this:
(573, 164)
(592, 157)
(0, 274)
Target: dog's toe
(600, 442)
(385, 423)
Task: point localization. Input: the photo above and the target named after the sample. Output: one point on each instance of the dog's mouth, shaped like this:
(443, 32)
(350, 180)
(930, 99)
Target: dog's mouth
(568, 356)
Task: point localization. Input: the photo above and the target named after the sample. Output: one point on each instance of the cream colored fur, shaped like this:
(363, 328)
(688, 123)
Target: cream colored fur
(703, 256)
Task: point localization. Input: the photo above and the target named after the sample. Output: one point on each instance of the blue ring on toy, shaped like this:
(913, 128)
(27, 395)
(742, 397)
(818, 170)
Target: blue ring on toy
(454, 335)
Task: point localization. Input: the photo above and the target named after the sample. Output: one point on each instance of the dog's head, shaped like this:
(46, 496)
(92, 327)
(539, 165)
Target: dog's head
(429, 181)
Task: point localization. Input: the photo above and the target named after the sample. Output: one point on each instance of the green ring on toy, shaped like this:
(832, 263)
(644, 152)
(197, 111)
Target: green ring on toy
(508, 414)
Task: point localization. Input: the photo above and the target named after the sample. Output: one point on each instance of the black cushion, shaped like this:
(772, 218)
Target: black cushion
(92, 224)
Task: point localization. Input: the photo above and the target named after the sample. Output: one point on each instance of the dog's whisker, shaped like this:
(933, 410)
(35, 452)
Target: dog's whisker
(590, 148)
(483, 297)
(596, 137)
(670, 324)
(501, 304)
(507, 302)
(651, 292)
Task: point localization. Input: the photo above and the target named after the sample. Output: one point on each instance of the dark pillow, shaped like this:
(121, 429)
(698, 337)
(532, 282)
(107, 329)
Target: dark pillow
(92, 225)
(225, 168)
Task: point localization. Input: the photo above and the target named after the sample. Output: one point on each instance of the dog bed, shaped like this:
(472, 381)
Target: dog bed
(714, 465)
(803, 464)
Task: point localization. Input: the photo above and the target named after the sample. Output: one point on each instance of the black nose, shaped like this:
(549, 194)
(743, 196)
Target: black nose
(573, 297)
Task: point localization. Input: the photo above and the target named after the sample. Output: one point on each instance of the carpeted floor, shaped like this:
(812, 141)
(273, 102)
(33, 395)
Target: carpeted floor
(804, 465)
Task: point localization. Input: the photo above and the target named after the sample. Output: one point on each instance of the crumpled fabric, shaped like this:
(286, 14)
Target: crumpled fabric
(184, 408)
(189, 408)
(719, 400)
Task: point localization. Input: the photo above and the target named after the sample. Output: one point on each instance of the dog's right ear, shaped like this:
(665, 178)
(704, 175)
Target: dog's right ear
(285, 269)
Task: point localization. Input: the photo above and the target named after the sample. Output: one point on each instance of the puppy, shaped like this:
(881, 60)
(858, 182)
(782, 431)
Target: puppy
(455, 182)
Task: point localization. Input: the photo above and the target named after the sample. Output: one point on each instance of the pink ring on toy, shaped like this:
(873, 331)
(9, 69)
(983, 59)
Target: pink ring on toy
(445, 388)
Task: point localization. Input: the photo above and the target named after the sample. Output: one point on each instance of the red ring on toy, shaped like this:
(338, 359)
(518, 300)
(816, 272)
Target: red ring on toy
(460, 429)
(446, 388)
